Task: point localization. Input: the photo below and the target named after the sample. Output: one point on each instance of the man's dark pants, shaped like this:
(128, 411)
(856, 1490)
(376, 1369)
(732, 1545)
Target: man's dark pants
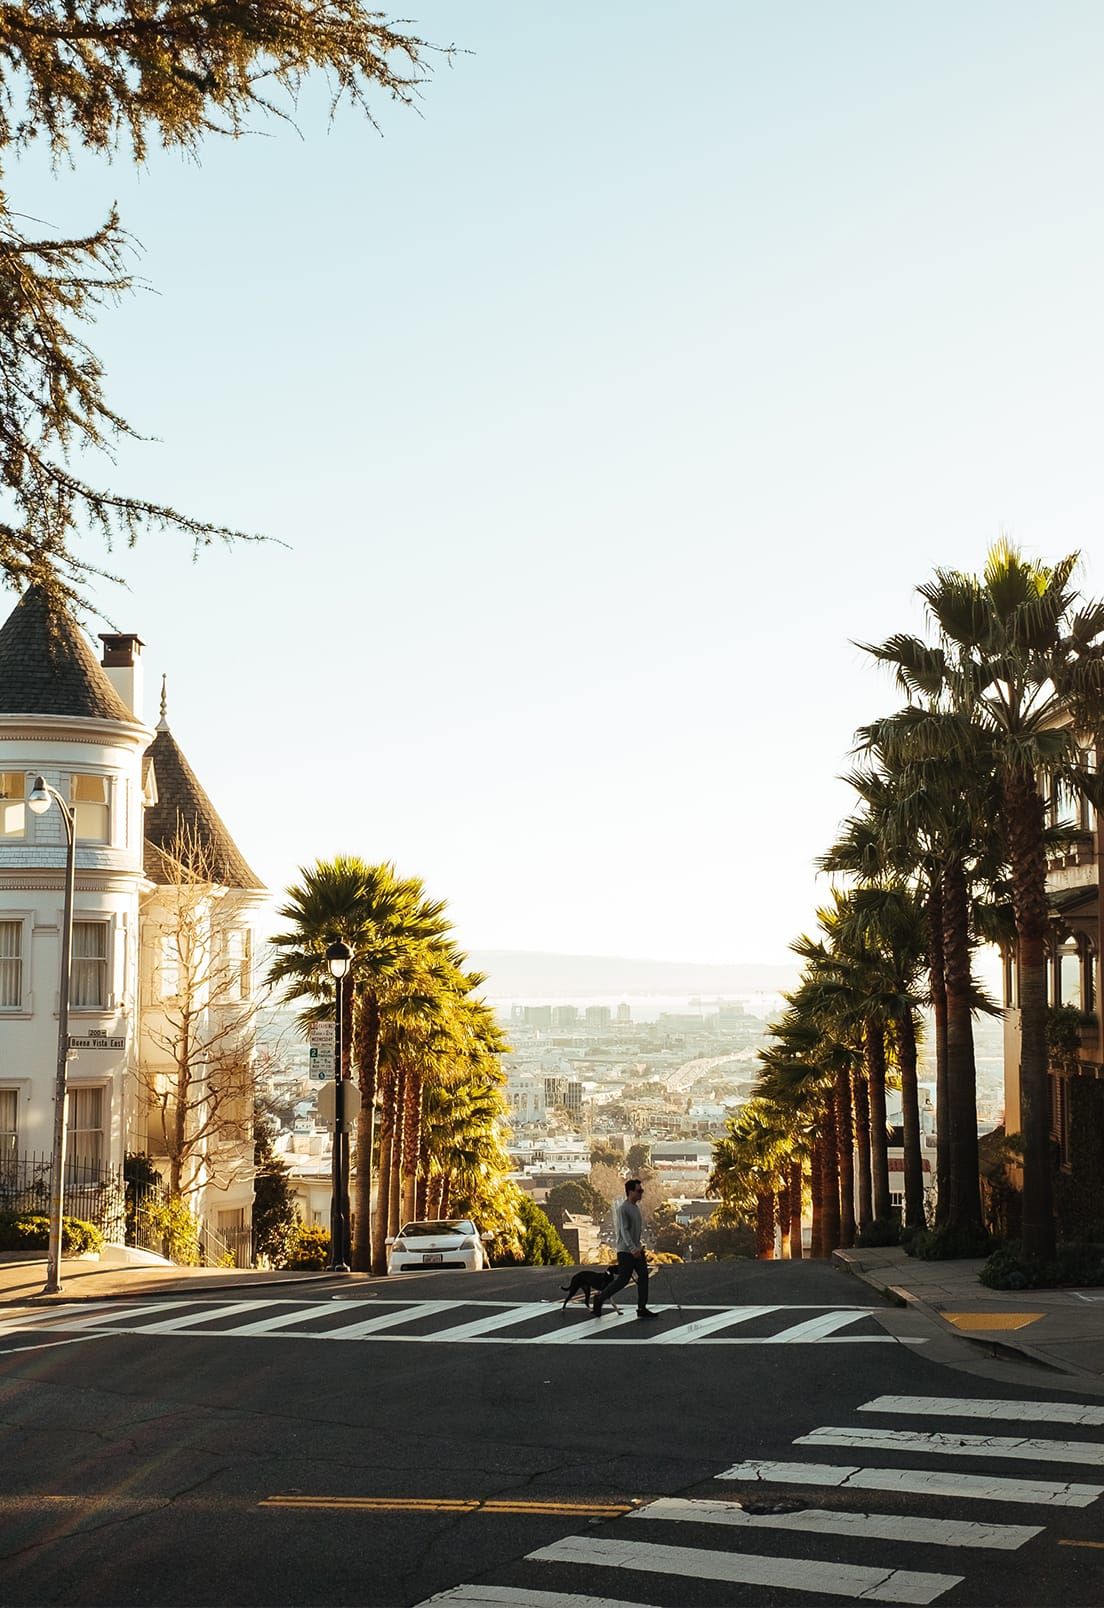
(627, 1265)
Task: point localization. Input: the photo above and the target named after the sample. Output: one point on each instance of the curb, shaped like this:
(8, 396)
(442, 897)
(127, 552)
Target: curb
(200, 1286)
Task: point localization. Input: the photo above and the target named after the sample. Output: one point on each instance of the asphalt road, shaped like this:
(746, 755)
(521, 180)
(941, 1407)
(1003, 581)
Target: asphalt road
(188, 1464)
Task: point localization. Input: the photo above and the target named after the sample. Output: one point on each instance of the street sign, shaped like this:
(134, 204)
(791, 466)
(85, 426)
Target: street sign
(325, 1103)
(321, 1063)
(97, 1043)
(320, 1035)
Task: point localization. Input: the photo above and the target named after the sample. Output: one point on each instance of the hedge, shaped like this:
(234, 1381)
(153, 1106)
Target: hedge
(27, 1231)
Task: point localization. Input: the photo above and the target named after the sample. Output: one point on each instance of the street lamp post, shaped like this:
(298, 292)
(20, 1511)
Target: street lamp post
(339, 958)
(39, 801)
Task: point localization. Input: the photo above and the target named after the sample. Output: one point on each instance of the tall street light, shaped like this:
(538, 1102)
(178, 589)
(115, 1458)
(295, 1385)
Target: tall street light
(39, 802)
(339, 957)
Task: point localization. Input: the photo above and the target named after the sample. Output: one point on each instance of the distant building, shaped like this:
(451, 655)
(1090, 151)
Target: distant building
(624, 1012)
(564, 1015)
(537, 1016)
(598, 1016)
(565, 1092)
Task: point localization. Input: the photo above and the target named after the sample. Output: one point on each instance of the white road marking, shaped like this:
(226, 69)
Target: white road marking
(205, 1315)
(703, 1326)
(66, 1321)
(834, 1521)
(862, 1583)
(1043, 1412)
(951, 1445)
(589, 1329)
(1040, 1493)
(514, 1597)
(281, 1320)
(489, 1323)
(387, 1320)
(44, 1345)
(817, 1328)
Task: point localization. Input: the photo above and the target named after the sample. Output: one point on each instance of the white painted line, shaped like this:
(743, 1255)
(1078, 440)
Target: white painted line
(44, 1317)
(389, 1320)
(73, 1340)
(514, 1597)
(589, 1329)
(487, 1325)
(122, 1313)
(703, 1326)
(949, 1445)
(282, 1320)
(920, 1482)
(815, 1575)
(817, 1328)
(829, 1521)
(205, 1315)
(1042, 1412)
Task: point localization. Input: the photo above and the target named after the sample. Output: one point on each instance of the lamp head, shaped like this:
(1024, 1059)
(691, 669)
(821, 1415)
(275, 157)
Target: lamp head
(39, 800)
(338, 958)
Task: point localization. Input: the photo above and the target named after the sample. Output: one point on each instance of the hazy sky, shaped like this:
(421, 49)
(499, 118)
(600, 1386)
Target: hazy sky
(601, 407)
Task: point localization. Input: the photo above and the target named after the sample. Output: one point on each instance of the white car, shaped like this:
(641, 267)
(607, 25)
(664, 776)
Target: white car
(450, 1242)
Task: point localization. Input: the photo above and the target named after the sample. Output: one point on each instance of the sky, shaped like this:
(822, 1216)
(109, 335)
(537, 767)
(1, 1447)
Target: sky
(596, 410)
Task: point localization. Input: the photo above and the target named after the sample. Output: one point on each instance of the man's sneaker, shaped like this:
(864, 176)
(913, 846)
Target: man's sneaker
(642, 1312)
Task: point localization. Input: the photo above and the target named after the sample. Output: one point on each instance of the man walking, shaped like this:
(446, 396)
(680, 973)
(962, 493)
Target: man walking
(630, 1252)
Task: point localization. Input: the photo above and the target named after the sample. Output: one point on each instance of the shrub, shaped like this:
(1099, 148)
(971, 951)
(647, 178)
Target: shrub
(1009, 1269)
(946, 1244)
(28, 1231)
(882, 1231)
(310, 1248)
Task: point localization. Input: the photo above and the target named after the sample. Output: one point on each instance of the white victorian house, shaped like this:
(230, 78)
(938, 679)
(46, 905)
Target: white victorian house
(79, 723)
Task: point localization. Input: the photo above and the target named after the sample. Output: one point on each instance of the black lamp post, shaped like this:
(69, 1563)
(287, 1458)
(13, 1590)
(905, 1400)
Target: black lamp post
(339, 957)
(42, 795)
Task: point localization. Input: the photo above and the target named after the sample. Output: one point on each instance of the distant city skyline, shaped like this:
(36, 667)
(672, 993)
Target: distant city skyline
(603, 404)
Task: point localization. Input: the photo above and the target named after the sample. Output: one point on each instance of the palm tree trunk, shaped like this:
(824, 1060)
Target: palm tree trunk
(964, 1206)
(394, 1182)
(1025, 822)
(861, 1092)
(816, 1192)
(764, 1225)
(366, 1032)
(796, 1249)
(830, 1187)
(385, 1084)
(845, 1149)
(879, 1138)
(784, 1218)
(910, 1104)
(412, 1123)
(938, 977)
(443, 1198)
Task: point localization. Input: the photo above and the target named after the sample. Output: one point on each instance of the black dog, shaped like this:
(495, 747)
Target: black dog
(591, 1281)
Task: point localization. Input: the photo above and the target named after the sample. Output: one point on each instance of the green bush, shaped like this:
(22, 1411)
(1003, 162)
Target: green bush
(310, 1249)
(1009, 1269)
(28, 1231)
(947, 1244)
(882, 1231)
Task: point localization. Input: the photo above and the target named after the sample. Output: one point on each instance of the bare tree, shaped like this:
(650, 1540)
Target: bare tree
(196, 1071)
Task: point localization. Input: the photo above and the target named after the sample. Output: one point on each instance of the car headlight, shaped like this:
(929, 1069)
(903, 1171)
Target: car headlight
(470, 1243)
(397, 1245)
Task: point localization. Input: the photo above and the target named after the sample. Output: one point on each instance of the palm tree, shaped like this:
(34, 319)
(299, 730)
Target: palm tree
(1023, 672)
(387, 921)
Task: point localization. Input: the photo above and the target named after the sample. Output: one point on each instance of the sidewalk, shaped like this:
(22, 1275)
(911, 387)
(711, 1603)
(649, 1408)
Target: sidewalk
(1061, 1331)
(21, 1281)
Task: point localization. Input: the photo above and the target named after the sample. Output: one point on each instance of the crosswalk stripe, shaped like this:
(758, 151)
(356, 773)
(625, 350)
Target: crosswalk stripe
(718, 1320)
(491, 1322)
(795, 1574)
(68, 1321)
(1043, 1412)
(284, 1320)
(829, 1521)
(951, 1445)
(516, 1597)
(816, 1328)
(206, 1315)
(986, 1488)
(390, 1320)
(588, 1329)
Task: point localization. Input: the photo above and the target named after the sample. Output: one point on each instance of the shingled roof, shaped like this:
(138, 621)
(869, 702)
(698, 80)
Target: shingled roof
(184, 812)
(48, 667)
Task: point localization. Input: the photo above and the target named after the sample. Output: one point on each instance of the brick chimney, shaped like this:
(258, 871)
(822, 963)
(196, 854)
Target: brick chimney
(122, 662)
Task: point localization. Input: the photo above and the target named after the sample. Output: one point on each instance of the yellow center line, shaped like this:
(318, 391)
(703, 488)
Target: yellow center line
(444, 1504)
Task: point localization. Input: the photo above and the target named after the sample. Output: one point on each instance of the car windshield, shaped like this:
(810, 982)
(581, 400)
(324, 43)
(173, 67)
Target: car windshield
(431, 1230)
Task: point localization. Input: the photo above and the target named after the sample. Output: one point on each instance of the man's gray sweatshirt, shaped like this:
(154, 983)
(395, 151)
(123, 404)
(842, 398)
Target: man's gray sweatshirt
(630, 1226)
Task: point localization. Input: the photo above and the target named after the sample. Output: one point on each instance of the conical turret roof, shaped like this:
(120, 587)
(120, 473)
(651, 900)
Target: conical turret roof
(48, 667)
(184, 815)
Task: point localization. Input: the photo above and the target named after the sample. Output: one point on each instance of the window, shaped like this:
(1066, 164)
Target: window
(169, 966)
(1069, 974)
(88, 977)
(13, 810)
(238, 963)
(88, 796)
(85, 1118)
(11, 965)
(9, 1130)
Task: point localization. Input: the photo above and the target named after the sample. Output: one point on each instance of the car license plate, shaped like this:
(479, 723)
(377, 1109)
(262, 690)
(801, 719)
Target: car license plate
(431, 1256)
